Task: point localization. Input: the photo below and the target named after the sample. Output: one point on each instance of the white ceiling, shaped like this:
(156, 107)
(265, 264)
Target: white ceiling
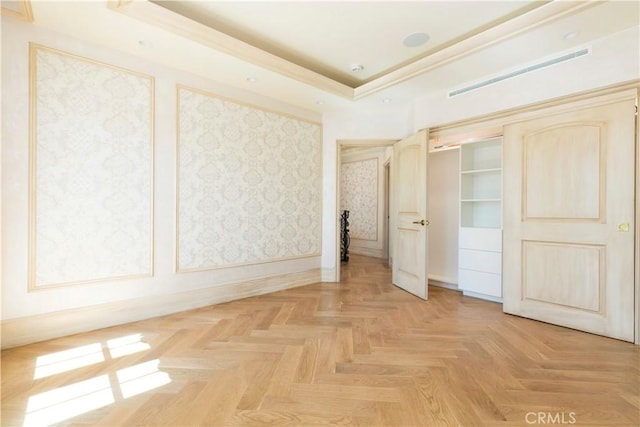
(330, 36)
(301, 52)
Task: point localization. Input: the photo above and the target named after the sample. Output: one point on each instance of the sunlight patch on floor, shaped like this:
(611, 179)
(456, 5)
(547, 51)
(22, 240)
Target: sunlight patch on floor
(126, 345)
(63, 403)
(140, 378)
(68, 360)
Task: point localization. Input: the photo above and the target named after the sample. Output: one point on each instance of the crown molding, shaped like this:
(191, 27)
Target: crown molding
(476, 42)
(158, 16)
(153, 14)
(24, 13)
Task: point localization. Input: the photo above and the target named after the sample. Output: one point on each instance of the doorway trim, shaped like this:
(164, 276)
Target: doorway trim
(386, 216)
(637, 224)
(340, 144)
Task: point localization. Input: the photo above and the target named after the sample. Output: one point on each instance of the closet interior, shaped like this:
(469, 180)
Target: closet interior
(465, 211)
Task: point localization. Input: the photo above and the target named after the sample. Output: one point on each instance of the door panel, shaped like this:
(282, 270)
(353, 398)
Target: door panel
(569, 219)
(409, 269)
(565, 169)
(564, 274)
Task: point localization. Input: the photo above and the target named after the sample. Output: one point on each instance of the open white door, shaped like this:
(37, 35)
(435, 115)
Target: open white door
(409, 214)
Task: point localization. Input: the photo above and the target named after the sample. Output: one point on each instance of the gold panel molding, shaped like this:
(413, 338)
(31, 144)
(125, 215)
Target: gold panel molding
(249, 184)
(91, 171)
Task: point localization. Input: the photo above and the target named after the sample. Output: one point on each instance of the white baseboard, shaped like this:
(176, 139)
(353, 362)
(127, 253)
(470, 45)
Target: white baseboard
(31, 329)
(443, 285)
(445, 279)
(482, 296)
(443, 282)
(376, 253)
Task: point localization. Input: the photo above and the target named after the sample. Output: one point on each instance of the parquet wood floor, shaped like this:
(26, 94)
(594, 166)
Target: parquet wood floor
(361, 352)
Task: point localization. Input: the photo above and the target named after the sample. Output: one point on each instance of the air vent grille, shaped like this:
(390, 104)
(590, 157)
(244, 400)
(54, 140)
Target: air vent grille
(544, 64)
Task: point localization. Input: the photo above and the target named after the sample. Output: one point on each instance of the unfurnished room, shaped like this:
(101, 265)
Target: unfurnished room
(320, 213)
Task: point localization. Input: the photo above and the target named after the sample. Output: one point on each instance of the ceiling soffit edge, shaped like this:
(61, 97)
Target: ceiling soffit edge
(484, 125)
(23, 13)
(158, 16)
(482, 40)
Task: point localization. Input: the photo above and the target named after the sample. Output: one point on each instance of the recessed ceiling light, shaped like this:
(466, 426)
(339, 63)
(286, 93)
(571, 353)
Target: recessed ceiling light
(251, 79)
(356, 68)
(386, 100)
(145, 44)
(415, 39)
(570, 35)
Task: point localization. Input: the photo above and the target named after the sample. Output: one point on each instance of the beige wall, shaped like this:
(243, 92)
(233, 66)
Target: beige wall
(30, 316)
(613, 59)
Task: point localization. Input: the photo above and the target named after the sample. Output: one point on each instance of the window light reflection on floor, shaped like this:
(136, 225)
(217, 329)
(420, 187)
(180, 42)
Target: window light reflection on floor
(62, 403)
(140, 378)
(129, 344)
(68, 360)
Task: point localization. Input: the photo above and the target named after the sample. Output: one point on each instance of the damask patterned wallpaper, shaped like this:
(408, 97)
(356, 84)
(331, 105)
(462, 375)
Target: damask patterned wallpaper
(359, 195)
(92, 173)
(249, 184)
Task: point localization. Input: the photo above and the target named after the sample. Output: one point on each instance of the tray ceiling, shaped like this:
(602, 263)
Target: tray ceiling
(301, 52)
(328, 37)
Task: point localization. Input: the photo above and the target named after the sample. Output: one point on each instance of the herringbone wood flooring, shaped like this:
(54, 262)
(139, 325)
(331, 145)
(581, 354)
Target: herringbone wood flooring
(361, 352)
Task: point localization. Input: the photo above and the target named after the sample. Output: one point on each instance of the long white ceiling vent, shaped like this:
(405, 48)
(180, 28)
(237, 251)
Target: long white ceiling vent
(524, 70)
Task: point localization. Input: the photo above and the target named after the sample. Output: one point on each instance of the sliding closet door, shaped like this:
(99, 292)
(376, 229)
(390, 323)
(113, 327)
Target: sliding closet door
(569, 219)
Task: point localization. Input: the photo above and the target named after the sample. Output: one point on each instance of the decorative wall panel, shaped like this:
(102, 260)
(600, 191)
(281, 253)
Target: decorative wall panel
(359, 195)
(249, 184)
(91, 170)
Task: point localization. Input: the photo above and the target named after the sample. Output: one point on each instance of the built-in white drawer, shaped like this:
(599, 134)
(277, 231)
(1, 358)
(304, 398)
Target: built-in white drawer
(488, 262)
(484, 239)
(480, 282)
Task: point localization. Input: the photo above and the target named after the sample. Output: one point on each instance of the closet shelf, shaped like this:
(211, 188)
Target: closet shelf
(479, 200)
(480, 233)
(480, 171)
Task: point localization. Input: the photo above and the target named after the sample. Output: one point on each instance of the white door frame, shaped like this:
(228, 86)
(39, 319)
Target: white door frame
(637, 224)
(341, 143)
(386, 233)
